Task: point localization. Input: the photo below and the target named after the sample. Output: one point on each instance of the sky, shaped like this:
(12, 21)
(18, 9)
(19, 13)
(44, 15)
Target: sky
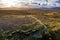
(29, 3)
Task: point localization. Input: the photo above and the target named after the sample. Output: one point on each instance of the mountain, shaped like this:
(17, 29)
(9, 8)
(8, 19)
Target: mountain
(57, 8)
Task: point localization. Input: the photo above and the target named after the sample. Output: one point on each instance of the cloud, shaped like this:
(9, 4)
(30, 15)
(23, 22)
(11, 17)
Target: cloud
(27, 3)
(48, 3)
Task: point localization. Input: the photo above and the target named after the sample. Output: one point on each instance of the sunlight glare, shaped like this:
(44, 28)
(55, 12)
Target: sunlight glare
(10, 3)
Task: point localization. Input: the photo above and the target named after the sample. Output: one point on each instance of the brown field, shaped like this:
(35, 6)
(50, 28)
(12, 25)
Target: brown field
(48, 17)
(11, 20)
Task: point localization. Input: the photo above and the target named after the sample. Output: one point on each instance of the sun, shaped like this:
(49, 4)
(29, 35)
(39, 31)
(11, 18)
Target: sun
(9, 3)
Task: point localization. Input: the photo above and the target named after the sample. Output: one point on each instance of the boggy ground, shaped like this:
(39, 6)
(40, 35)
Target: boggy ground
(11, 20)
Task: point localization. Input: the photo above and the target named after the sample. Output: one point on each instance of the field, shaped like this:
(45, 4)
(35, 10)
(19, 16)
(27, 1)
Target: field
(21, 23)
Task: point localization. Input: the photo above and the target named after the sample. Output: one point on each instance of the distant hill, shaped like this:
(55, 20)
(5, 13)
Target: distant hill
(57, 8)
(42, 8)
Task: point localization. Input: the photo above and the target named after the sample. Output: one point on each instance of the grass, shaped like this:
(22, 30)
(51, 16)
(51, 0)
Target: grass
(18, 25)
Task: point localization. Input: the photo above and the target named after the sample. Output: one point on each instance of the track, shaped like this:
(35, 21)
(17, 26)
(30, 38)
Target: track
(35, 34)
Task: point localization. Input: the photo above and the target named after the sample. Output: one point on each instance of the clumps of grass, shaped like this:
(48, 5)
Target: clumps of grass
(20, 35)
(26, 29)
